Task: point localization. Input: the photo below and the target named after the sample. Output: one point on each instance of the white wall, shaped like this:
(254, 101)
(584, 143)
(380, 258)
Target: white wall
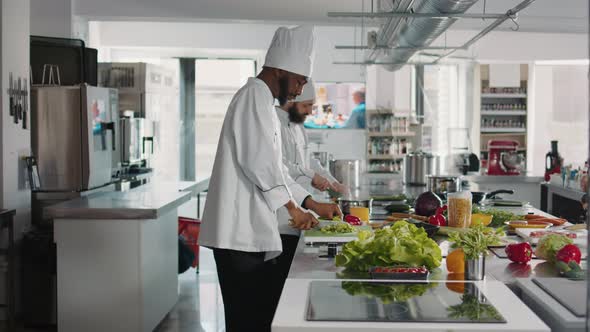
(223, 39)
(518, 47)
(559, 113)
(51, 18)
(15, 140)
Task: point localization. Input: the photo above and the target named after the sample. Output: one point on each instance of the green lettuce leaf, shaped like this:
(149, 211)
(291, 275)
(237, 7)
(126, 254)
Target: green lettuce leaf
(401, 244)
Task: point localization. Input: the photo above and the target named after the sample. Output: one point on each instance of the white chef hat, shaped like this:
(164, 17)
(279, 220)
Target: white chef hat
(292, 49)
(308, 93)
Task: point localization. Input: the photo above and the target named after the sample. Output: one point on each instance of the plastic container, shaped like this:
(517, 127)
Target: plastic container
(459, 209)
(189, 228)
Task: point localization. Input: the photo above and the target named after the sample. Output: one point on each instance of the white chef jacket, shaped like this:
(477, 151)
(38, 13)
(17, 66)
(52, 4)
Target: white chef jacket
(300, 167)
(249, 181)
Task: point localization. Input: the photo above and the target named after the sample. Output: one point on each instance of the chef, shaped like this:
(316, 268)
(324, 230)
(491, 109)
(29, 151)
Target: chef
(308, 172)
(249, 183)
(294, 150)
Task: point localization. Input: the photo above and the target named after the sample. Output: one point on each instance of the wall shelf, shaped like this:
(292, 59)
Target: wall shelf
(503, 113)
(503, 95)
(503, 130)
(385, 157)
(391, 134)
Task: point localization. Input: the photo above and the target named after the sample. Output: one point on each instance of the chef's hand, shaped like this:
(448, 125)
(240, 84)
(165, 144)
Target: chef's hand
(320, 183)
(339, 187)
(324, 210)
(300, 219)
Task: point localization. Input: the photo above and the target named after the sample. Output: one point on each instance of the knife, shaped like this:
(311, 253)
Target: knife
(25, 104)
(10, 94)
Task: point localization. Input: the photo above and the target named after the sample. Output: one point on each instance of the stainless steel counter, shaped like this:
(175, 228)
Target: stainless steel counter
(145, 203)
(504, 179)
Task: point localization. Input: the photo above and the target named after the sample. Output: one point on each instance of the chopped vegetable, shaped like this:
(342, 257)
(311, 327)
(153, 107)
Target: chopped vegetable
(400, 244)
(538, 234)
(519, 252)
(498, 216)
(353, 220)
(569, 253)
(338, 228)
(476, 240)
(398, 269)
(550, 244)
(438, 219)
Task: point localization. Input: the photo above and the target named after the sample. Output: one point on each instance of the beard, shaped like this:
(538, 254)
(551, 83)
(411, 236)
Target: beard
(295, 116)
(283, 91)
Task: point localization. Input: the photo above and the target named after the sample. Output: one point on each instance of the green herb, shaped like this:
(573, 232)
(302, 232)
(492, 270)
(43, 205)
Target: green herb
(387, 293)
(473, 310)
(400, 244)
(476, 240)
(500, 216)
(338, 228)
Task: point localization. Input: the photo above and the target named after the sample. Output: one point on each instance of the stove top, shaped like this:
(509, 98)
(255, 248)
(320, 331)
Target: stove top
(372, 301)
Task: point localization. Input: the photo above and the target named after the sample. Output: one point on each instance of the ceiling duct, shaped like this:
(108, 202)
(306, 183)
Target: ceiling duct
(411, 33)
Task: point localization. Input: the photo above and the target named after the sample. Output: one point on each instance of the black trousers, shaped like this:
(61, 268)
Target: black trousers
(250, 287)
(244, 288)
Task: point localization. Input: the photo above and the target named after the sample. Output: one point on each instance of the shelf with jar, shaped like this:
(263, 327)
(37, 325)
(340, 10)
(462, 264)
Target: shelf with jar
(387, 148)
(388, 124)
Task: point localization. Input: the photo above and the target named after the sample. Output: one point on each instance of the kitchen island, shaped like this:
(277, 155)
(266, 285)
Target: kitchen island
(117, 259)
(500, 286)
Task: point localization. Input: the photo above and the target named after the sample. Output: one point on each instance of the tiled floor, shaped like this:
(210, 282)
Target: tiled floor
(199, 307)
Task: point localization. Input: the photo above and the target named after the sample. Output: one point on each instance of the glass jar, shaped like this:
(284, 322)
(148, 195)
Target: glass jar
(459, 204)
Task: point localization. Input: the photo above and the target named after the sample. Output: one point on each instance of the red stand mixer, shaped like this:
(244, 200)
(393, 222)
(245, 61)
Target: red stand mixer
(503, 158)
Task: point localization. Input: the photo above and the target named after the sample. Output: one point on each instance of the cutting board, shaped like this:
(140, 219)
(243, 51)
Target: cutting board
(525, 233)
(317, 236)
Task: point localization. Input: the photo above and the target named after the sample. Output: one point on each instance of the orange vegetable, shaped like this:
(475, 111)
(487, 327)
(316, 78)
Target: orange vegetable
(456, 261)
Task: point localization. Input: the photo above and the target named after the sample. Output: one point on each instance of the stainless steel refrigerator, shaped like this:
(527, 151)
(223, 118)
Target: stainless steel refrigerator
(74, 131)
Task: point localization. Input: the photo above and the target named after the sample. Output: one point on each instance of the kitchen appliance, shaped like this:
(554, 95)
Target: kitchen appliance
(149, 92)
(504, 158)
(443, 184)
(553, 161)
(73, 136)
(347, 172)
(387, 301)
(137, 142)
(417, 166)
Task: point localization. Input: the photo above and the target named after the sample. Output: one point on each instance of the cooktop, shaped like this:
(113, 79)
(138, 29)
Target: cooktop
(377, 301)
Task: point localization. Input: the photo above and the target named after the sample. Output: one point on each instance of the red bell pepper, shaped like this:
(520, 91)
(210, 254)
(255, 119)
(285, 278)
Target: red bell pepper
(353, 220)
(519, 252)
(438, 219)
(569, 252)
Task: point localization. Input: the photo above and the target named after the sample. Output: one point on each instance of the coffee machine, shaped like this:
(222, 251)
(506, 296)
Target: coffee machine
(504, 158)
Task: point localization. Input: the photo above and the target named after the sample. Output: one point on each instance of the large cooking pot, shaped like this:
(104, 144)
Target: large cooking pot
(347, 172)
(346, 203)
(417, 166)
(442, 184)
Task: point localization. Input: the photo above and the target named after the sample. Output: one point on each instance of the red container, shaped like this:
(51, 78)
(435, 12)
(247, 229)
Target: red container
(189, 229)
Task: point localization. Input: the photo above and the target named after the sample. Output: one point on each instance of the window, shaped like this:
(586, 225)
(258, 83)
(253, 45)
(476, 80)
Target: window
(216, 82)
